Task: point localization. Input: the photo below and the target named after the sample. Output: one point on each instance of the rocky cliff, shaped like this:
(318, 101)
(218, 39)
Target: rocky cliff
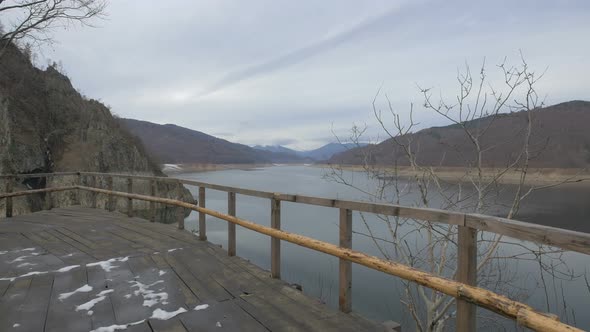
(47, 126)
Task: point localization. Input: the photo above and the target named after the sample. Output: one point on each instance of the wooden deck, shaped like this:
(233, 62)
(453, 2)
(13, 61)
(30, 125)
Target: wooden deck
(82, 269)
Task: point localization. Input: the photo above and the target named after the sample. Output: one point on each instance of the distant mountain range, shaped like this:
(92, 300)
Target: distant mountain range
(177, 145)
(320, 154)
(560, 139)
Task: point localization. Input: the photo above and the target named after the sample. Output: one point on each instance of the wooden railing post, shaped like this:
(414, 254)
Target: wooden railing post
(110, 205)
(78, 193)
(180, 210)
(48, 200)
(466, 273)
(93, 194)
(231, 227)
(345, 279)
(202, 216)
(153, 188)
(129, 200)
(8, 189)
(275, 243)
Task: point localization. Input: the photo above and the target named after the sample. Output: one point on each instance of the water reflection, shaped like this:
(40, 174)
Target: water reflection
(375, 294)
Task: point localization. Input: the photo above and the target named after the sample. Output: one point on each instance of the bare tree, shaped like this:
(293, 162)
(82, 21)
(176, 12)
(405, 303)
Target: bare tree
(476, 189)
(33, 20)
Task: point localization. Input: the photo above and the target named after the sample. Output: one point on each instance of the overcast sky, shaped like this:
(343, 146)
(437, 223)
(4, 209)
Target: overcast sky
(287, 72)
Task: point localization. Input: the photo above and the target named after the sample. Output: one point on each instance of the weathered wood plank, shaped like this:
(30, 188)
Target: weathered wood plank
(466, 273)
(202, 216)
(275, 244)
(190, 274)
(345, 267)
(231, 227)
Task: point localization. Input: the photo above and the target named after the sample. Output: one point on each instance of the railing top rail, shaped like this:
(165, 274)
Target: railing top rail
(557, 237)
(524, 314)
(36, 175)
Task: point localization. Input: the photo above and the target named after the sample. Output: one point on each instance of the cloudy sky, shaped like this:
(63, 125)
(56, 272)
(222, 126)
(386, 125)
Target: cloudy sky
(291, 72)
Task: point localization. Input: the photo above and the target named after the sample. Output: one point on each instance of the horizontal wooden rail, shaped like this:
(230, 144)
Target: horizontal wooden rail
(36, 191)
(556, 237)
(37, 175)
(524, 314)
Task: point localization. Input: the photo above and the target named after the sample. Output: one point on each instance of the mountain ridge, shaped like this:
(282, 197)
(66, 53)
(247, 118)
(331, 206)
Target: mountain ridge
(560, 139)
(174, 144)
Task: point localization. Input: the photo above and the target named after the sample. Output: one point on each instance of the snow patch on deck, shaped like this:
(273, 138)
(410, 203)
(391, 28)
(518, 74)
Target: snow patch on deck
(108, 265)
(156, 314)
(150, 298)
(83, 289)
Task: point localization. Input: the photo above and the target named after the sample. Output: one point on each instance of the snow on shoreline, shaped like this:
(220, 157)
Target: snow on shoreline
(171, 168)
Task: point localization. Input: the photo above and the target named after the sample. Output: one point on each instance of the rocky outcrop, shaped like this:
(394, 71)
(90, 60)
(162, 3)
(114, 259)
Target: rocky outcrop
(48, 126)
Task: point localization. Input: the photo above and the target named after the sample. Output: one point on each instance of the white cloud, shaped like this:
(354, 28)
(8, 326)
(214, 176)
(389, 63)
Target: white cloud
(268, 71)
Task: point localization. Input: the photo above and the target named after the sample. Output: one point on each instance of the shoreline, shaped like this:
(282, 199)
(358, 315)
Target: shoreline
(535, 176)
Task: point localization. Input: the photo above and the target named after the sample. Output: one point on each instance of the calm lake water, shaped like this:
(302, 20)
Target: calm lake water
(376, 295)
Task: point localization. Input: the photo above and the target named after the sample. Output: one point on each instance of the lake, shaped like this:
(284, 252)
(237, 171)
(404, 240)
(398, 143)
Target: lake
(376, 295)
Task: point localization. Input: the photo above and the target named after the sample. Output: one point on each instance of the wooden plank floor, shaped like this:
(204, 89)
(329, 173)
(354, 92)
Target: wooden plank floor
(81, 269)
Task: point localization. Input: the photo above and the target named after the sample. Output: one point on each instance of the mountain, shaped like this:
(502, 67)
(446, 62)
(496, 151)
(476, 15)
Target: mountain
(177, 145)
(327, 151)
(323, 153)
(560, 139)
(276, 149)
(47, 126)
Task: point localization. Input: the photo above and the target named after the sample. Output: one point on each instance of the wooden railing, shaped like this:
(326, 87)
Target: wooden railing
(463, 288)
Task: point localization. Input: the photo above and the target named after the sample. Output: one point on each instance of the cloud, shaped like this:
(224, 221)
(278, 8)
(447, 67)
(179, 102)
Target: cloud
(301, 54)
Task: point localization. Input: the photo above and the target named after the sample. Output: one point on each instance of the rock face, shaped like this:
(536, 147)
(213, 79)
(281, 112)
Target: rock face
(48, 126)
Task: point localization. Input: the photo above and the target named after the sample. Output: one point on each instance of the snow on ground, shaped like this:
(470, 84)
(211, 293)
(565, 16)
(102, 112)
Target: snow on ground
(67, 268)
(90, 304)
(4, 252)
(150, 298)
(83, 289)
(171, 168)
(22, 258)
(201, 307)
(161, 273)
(35, 273)
(174, 249)
(107, 265)
(114, 328)
(156, 314)
(105, 292)
(165, 315)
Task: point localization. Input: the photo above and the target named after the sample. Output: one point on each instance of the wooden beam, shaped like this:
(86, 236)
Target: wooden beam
(179, 210)
(8, 190)
(110, 205)
(77, 193)
(129, 200)
(526, 315)
(48, 204)
(467, 274)
(231, 227)
(345, 276)
(564, 239)
(93, 183)
(275, 243)
(153, 188)
(38, 191)
(202, 216)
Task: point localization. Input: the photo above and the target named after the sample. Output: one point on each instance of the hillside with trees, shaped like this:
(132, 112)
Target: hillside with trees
(560, 139)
